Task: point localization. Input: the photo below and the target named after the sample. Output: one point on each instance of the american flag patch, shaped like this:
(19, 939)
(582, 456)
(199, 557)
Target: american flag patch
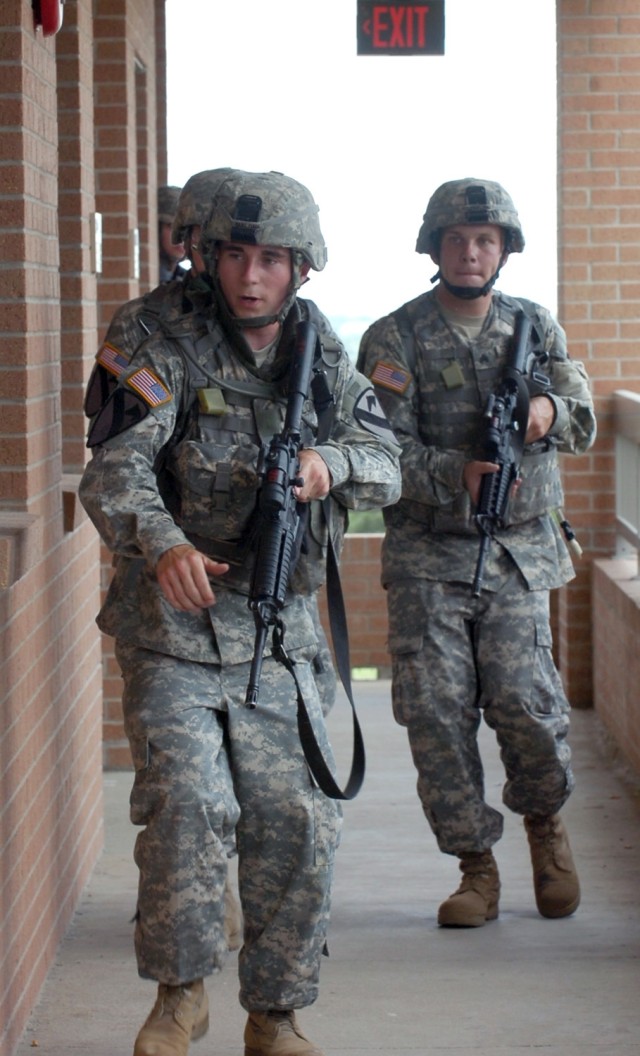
(153, 392)
(112, 359)
(391, 377)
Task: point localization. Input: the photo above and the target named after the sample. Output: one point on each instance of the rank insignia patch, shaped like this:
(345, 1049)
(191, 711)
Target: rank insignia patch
(153, 392)
(390, 377)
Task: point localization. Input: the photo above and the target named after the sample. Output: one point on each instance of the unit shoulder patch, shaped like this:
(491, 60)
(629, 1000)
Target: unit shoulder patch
(369, 415)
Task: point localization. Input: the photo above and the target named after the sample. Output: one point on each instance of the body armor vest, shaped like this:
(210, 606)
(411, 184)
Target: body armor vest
(214, 465)
(454, 380)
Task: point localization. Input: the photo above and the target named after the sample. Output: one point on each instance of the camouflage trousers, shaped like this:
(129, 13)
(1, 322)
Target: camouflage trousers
(322, 664)
(455, 658)
(205, 764)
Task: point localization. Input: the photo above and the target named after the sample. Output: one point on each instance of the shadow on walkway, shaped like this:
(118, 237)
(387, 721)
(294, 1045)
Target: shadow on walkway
(395, 983)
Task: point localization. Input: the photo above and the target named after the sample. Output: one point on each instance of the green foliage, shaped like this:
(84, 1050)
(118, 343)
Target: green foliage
(367, 522)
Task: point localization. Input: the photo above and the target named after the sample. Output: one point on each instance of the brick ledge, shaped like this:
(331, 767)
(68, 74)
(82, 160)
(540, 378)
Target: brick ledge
(20, 538)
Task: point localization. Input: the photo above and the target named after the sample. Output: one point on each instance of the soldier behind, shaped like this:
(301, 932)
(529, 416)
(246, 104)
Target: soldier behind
(174, 496)
(455, 656)
(135, 320)
(171, 253)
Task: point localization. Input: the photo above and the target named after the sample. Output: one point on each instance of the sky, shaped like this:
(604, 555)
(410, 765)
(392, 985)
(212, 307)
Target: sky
(278, 84)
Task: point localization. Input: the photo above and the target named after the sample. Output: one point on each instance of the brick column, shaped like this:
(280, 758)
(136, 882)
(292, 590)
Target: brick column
(599, 259)
(76, 212)
(130, 159)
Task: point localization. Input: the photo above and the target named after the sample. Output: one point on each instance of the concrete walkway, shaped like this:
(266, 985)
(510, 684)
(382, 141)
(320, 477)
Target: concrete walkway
(395, 983)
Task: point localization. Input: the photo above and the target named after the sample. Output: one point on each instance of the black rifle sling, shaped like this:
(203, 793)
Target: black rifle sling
(405, 329)
(340, 641)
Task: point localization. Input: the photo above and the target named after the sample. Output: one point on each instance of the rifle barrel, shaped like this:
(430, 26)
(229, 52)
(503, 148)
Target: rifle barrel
(485, 539)
(253, 685)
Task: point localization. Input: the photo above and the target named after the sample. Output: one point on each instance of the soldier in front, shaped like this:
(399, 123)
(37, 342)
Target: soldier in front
(172, 488)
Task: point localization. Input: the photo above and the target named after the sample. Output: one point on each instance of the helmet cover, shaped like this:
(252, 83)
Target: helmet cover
(469, 201)
(167, 203)
(266, 209)
(194, 203)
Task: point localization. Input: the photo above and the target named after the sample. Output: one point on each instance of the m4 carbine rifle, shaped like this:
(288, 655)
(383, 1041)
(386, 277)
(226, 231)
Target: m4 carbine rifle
(505, 426)
(281, 524)
(281, 517)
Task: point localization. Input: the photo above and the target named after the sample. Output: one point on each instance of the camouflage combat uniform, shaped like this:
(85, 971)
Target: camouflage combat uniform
(186, 674)
(130, 326)
(452, 653)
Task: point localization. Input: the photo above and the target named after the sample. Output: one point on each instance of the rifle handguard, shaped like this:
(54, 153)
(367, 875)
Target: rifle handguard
(506, 418)
(278, 509)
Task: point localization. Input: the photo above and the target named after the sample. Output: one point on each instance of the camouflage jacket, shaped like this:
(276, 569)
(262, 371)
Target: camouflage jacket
(159, 481)
(433, 386)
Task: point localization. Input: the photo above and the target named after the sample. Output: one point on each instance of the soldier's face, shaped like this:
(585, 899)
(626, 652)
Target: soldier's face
(255, 280)
(470, 254)
(174, 252)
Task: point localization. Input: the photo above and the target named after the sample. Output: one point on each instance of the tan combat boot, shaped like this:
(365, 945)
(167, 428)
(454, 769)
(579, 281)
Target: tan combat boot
(476, 900)
(555, 880)
(180, 1015)
(276, 1034)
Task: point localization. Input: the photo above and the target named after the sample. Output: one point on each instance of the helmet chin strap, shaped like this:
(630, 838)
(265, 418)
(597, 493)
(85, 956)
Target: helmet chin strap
(470, 293)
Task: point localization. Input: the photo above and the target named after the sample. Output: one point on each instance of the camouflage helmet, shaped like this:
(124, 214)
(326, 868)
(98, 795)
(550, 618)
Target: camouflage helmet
(194, 204)
(268, 209)
(469, 201)
(167, 203)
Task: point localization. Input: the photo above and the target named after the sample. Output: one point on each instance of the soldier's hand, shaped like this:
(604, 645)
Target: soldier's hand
(542, 414)
(315, 474)
(472, 476)
(183, 574)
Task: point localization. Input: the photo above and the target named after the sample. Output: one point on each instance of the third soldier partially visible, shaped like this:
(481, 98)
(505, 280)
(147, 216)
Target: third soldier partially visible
(171, 254)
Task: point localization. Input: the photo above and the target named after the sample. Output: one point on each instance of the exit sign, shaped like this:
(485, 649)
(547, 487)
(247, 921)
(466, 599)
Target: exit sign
(400, 29)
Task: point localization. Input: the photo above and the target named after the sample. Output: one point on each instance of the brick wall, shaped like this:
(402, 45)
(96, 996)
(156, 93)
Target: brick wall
(365, 602)
(126, 156)
(599, 286)
(50, 679)
(51, 676)
(131, 163)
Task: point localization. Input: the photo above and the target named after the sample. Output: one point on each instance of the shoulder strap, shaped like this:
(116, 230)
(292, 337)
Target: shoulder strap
(325, 371)
(312, 751)
(405, 329)
(318, 766)
(153, 309)
(404, 323)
